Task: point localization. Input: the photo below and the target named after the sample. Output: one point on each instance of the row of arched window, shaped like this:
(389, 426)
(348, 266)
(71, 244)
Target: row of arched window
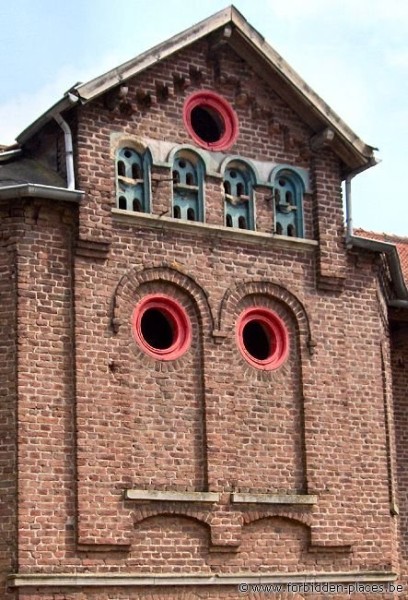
(188, 176)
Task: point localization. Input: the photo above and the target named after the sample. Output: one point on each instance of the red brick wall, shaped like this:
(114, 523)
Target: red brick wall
(98, 416)
(45, 385)
(400, 387)
(8, 449)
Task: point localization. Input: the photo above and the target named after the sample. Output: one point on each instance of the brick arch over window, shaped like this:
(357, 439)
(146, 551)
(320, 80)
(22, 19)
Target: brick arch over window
(269, 541)
(299, 519)
(163, 397)
(272, 410)
(147, 512)
(126, 291)
(153, 537)
(275, 291)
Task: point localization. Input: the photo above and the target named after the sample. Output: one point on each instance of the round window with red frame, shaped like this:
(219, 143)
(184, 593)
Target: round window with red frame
(161, 327)
(263, 338)
(210, 120)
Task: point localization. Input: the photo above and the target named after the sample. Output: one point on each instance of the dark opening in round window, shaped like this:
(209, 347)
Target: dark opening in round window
(161, 327)
(210, 120)
(207, 124)
(262, 338)
(157, 329)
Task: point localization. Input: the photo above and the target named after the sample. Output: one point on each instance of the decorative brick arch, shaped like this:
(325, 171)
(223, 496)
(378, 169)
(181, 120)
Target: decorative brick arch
(267, 289)
(147, 512)
(127, 290)
(300, 519)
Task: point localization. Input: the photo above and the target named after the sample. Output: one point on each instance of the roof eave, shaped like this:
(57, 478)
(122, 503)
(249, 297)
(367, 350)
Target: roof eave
(394, 265)
(354, 152)
(30, 190)
(103, 83)
(60, 106)
(248, 42)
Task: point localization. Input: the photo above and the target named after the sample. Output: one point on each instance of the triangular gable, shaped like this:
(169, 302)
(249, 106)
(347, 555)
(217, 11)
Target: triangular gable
(229, 26)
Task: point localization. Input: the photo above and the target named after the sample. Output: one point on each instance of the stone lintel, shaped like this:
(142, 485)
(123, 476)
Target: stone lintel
(168, 496)
(273, 498)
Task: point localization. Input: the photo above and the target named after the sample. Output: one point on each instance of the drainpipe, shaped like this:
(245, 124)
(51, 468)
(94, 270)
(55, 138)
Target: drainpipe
(69, 151)
(349, 215)
(386, 248)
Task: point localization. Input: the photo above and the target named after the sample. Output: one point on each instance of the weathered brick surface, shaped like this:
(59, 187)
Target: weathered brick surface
(98, 416)
(400, 387)
(8, 479)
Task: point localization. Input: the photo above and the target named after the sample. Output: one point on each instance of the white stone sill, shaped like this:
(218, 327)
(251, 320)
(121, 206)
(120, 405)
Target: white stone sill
(273, 498)
(156, 495)
(245, 235)
(163, 579)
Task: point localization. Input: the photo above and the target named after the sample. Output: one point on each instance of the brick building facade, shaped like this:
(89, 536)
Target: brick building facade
(203, 375)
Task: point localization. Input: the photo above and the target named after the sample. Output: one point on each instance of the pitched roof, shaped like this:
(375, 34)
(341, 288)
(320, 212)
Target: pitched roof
(401, 243)
(27, 170)
(229, 26)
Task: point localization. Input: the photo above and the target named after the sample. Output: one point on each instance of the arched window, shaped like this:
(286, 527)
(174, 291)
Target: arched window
(133, 180)
(288, 195)
(188, 196)
(238, 196)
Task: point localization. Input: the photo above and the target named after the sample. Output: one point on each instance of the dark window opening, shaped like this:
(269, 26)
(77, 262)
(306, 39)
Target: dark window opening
(282, 182)
(121, 168)
(157, 329)
(122, 203)
(227, 187)
(137, 207)
(278, 228)
(289, 198)
(182, 164)
(189, 179)
(228, 221)
(136, 174)
(291, 231)
(207, 124)
(176, 177)
(242, 223)
(190, 214)
(127, 153)
(177, 212)
(256, 340)
(240, 189)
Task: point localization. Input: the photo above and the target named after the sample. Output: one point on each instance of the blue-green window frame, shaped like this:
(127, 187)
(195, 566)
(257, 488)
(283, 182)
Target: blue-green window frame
(188, 174)
(238, 182)
(289, 189)
(133, 179)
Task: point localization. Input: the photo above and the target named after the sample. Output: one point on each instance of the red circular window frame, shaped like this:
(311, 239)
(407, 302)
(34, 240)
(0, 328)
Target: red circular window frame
(225, 113)
(178, 318)
(276, 331)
